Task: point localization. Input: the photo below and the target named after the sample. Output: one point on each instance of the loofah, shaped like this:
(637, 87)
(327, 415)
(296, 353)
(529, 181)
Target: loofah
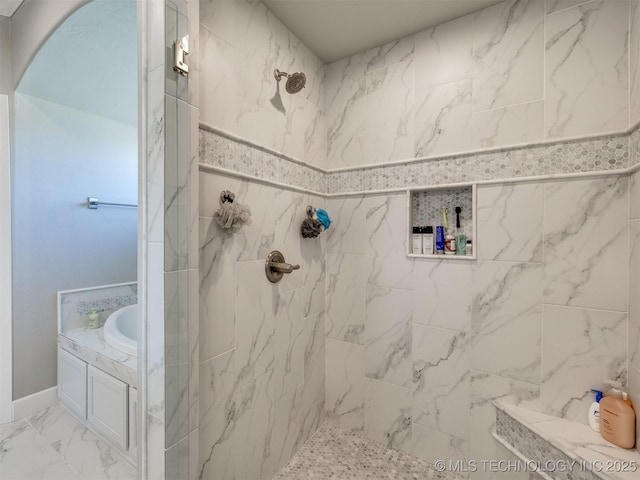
(231, 214)
(323, 218)
(310, 227)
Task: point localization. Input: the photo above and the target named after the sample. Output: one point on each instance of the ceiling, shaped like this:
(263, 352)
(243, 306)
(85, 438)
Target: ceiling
(335, 29)
(90, 62)
(8, 7)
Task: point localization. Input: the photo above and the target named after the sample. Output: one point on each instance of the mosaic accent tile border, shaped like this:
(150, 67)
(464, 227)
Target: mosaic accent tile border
(634, 147)
(220, 151)
(332, 452)
(536, 448)
(607, 153)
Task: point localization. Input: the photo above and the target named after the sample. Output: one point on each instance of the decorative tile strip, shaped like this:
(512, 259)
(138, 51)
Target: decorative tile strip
(535, 448)
(601, 154)
(106, 304)
(220, 151)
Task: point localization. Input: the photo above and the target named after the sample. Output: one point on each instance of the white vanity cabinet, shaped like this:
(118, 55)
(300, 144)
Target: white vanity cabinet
(72, 383)
(104, 403)
(107, 406)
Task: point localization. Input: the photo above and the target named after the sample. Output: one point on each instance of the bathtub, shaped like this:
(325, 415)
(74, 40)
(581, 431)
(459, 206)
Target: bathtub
(121, 330)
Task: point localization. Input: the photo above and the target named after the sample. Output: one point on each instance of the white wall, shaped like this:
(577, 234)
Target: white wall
(62, 157)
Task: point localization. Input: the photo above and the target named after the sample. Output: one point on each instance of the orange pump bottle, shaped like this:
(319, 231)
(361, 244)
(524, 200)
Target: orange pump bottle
(617, 419)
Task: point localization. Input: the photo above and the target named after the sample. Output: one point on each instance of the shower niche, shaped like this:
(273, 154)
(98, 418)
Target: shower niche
(424, 209)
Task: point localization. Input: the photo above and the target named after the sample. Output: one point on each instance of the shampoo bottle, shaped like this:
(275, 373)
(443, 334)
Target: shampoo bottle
(94, 318)
(416, 240)
(427, 240)
(594, 412)
(617, 418)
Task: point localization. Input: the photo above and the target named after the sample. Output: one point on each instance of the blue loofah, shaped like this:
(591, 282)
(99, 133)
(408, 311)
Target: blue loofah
(323, 218)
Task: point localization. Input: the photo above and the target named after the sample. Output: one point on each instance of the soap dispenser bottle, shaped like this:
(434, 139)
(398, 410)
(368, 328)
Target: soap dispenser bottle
(94, 318)
(617, 418)
(594, 412)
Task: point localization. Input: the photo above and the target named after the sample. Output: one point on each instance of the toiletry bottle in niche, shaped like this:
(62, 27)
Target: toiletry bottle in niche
(617, 418)
(461, 244)
(469, 247)
(416, 240)
(439, 239)
(94, 318)
(593, 416)
(427, 240)
(449, 244)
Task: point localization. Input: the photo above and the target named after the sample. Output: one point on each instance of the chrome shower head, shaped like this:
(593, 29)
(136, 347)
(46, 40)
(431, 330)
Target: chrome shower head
(295, 82)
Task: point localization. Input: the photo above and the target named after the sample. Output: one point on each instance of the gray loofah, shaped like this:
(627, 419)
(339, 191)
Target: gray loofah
(231, 214)
(310, 227)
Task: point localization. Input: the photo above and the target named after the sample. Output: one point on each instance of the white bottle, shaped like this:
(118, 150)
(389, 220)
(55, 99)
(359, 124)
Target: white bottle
(427, 240)
(416, 240)
(594, 412)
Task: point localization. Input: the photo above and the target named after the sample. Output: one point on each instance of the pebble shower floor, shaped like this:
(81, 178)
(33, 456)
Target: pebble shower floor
(332, 453)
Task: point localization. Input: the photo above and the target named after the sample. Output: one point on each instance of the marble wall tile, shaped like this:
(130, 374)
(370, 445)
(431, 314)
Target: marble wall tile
(314, 370)
(314, 264)
(194, 351)
(484, 389)
(221, 98)
(345, 298)
(580, 350)
(387, 335)
(287, 428)
(634, 287)
(346, 105)
(554, 6)
(217, 417)
(385, 250)
(506, 319)
(509, 219)
(634, 196)
(387, 414)
(290, 210)
(345, 384)
(443, 54)
(515, 125)
(441, 380)
(390, 53)
(289, 343)
(586, 69)
(155, 445)
(390, 121)
(443, 118)
(585, 243)
(254, 241)
(634, 63)
(255, 413)
(347, 232)
(155, 333)
(177, 459)
(508, 54)
(442, 293)
(432, 445)
(634, 393)
(254, 321)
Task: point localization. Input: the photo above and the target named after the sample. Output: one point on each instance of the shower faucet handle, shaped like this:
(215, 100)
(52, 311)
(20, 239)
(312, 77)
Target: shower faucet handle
(275, 267)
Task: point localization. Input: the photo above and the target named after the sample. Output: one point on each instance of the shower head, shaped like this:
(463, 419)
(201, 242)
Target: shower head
(295, 81)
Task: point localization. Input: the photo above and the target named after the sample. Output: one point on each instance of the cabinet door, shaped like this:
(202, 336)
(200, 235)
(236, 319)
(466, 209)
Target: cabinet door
(107, 406)
(133, 422)
(72, 383)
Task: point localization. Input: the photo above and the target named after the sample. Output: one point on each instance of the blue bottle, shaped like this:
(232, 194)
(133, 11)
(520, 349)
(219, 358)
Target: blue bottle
(440, 239)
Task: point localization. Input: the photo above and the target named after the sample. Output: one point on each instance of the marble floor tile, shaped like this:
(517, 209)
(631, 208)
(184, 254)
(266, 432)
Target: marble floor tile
(337, 454)
(52, 445)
